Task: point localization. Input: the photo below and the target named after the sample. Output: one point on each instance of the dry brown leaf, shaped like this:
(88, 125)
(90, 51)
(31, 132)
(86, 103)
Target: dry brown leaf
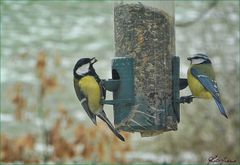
(41, 63)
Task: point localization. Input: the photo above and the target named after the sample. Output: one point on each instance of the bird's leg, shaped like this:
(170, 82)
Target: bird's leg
(186, 99)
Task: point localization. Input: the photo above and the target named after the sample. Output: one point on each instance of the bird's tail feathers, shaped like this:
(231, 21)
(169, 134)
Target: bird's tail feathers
(103, 116)
(220, 107)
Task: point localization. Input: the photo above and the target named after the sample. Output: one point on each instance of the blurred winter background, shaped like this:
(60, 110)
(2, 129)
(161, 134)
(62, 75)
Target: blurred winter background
(41, 118)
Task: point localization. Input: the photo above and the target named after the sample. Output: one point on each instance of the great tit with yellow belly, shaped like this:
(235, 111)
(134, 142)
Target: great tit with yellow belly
(90, 92)
(201, 80)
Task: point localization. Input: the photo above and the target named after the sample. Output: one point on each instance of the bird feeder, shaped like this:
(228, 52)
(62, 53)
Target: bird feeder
(145, 70)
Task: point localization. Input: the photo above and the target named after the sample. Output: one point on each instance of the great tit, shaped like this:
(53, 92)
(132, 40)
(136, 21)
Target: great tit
(90, 92)
(201, 80)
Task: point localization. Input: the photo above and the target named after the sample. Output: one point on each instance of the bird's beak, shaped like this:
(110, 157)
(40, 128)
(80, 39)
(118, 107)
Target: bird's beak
(93, 60)
(190, 59)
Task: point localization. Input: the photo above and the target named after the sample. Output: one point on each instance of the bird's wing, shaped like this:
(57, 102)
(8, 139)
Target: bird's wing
(83, 100)
(102, 115)
(211, 86)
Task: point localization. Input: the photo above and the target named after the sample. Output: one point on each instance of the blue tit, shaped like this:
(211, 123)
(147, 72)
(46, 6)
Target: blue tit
(90, 92)
(201, 80)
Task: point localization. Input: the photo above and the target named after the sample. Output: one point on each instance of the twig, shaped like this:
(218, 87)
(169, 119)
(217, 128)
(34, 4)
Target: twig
(200, 16)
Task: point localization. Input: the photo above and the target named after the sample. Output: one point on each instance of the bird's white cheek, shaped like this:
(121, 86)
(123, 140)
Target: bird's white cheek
(197, 61)
(82, 70)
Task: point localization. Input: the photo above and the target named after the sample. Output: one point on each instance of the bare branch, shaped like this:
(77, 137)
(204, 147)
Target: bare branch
(200, 16)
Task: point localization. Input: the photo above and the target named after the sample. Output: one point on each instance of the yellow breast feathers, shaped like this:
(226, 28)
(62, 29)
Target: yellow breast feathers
(196, 87)
(92, 91)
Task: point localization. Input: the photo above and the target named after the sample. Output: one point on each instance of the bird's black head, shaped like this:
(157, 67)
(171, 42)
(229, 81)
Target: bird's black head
(83, 67)
(199, 59)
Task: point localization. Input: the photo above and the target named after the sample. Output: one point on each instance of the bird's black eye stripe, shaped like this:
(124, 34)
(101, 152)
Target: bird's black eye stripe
(196, 57)
(200, 58)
